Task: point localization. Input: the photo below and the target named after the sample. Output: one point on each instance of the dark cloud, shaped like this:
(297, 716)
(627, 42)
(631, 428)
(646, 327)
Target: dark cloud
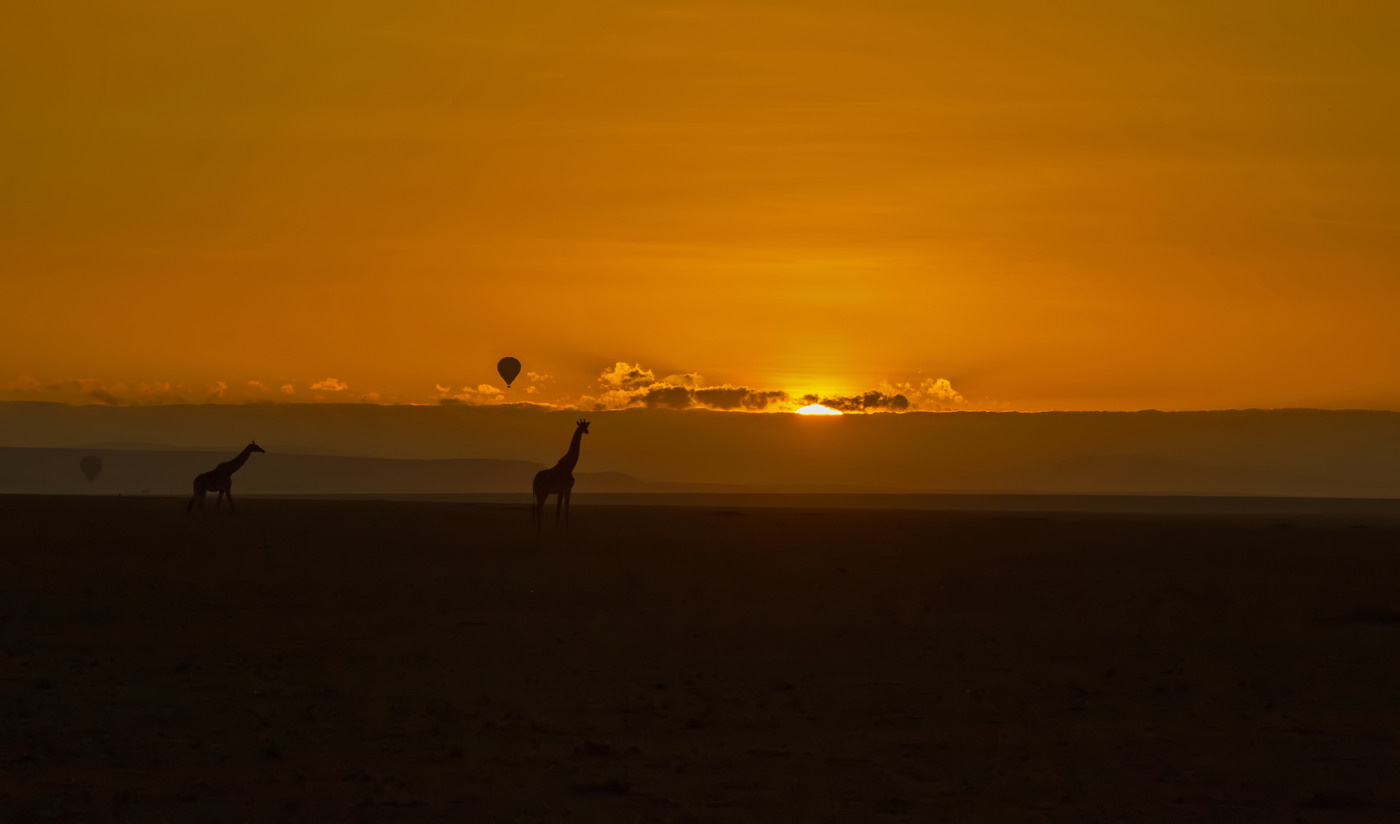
(762, 400)
(627, 384)
(664, 396)
(737, 397)
(103, 396)
(722, 397)
(872, 401)
(667, 397)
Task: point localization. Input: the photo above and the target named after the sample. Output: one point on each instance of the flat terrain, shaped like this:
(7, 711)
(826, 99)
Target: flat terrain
(400, 661)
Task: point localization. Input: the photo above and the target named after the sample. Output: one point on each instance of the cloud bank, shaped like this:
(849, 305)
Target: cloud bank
(627, 385)
(621, 385)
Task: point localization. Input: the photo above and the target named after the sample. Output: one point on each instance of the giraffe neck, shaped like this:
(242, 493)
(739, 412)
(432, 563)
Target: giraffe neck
(570, 460)
(237, 463)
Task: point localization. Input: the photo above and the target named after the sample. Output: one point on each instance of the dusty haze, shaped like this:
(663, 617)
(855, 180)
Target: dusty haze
(1283, 452)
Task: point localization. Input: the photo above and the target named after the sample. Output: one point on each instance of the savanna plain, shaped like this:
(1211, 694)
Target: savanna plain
(434, 661)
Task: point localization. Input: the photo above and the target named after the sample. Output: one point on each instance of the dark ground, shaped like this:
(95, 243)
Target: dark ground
(371, 661)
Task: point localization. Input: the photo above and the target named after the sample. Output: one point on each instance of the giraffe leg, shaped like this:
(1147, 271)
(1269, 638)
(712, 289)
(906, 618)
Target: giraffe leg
(218, 499)
(228, 493)
(568, 496)
(195, 497)
(558, 505)
(540, 499)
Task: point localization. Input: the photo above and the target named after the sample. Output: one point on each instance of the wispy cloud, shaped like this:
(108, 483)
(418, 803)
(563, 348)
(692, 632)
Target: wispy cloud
(685, 379)
(89, 390)
(928, 394)
(104, 397)
(626, 376)
(481, 394)
(622, 385)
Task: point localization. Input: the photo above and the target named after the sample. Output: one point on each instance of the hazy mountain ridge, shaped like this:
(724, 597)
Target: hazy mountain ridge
(130, 471)
(1150, 475)
(169, 472)
(410, 449)
(212, 449)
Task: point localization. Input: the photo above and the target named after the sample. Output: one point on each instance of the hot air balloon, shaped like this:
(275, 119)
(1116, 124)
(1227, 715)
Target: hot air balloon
(509, 369)
(91, 466)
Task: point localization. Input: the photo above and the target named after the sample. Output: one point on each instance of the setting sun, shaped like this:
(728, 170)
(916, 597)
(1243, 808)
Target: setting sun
(817, 409)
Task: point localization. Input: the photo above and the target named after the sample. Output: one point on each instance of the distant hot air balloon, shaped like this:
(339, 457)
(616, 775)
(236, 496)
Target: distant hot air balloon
(91, 466)
(509, 369)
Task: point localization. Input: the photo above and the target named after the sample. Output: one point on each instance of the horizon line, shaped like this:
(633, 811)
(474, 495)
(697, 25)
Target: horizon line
(546, 407)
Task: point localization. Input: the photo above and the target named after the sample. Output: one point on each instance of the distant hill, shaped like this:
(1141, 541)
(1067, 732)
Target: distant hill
(1149, 475)
(214, 449)
(169, 472)
(364, 448)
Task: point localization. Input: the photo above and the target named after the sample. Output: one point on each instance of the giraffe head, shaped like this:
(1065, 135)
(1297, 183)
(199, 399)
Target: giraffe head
(583, 426)
(253, 447)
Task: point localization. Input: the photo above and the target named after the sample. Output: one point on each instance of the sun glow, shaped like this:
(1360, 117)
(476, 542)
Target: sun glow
(817, 409)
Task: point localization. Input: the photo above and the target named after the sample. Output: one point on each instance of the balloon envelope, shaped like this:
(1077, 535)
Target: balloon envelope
(91, 466)
(509, 369)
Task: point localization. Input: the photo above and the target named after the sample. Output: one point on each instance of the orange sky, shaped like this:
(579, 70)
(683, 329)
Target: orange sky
(1101, 206)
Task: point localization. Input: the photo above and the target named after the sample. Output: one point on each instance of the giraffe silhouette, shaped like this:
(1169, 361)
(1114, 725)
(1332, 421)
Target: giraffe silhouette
(220, 479)
(558, 480)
